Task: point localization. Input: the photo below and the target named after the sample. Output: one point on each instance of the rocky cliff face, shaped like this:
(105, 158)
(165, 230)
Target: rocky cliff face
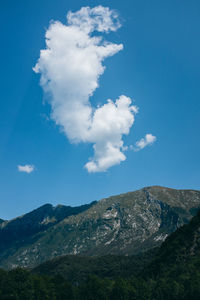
(125, 224)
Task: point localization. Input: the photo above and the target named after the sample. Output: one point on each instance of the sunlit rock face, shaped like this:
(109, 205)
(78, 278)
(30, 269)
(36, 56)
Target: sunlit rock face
(126, 224)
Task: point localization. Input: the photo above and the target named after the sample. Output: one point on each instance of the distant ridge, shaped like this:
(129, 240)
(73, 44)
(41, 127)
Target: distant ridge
(21, 230)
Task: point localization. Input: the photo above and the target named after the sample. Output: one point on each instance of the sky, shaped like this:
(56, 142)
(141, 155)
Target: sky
(97, 98)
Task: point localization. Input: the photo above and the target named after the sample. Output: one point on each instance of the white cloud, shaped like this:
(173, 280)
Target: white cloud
(70, 68)
(149, 139)
(26, 168)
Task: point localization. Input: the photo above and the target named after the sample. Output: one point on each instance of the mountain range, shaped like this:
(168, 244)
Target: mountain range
(127, 224)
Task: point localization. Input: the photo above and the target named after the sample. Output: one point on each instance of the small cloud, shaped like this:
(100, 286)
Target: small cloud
(26, 168)
(149, 139)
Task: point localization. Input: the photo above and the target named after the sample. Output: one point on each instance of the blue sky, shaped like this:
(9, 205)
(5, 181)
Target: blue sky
(158, 68)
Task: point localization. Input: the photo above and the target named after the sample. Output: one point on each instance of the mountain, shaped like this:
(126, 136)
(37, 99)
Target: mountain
(126, 224)
(170, 271)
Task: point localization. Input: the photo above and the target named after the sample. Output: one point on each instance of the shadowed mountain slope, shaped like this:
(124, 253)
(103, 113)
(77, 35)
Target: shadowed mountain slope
(21, 230)
(77, 269)
(181, 250)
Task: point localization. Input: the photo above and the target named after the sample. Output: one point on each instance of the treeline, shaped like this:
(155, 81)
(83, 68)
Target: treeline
(76, 268)
(20, 284)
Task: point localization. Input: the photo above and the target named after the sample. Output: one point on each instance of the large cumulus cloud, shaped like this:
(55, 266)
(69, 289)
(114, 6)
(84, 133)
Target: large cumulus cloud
(70, 68)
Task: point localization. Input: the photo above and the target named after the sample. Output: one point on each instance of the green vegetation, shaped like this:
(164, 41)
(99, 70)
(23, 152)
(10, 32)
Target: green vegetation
(22, 285)
(77, 269)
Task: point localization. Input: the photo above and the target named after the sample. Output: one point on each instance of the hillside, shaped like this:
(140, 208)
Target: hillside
(169, 272)
(126, 224)
(181, 250)
(76, 268)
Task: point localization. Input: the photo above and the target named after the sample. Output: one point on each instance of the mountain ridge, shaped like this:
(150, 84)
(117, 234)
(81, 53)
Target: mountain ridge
(124, 224)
